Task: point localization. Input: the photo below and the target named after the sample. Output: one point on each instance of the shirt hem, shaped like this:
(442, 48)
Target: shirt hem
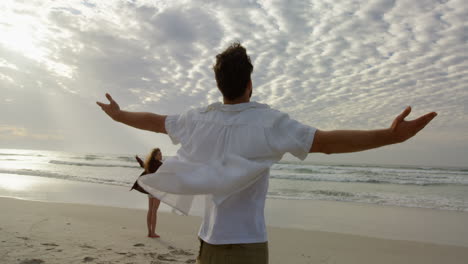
(233, 241)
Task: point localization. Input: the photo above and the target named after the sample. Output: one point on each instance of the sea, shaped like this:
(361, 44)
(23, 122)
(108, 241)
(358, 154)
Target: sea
(405, 186)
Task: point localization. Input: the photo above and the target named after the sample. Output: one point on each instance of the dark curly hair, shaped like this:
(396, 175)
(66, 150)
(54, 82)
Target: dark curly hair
(232, 71)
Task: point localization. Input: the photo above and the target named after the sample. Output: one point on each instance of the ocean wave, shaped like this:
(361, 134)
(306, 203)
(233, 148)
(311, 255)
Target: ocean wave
(356, 169)
(55, 175)
(295, 190)
(378, 179)
(59, 162)
(21, 155)
(388, 199)
(126, 158)
(398, 186)
(92, 157)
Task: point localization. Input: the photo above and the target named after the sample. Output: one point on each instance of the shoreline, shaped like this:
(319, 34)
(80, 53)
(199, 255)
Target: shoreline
(441, 227)
(32, 232)
(288, 158)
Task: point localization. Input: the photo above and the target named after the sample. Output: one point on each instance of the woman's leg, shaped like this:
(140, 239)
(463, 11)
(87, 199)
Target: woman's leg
(154, 216)
(148, 215)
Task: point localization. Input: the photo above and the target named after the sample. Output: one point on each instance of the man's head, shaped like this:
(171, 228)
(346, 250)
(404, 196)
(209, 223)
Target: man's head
(232, 71)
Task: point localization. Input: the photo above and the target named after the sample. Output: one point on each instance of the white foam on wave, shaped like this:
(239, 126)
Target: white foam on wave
(412, 187)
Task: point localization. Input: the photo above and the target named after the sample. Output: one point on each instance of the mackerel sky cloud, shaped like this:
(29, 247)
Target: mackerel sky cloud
(330, 64)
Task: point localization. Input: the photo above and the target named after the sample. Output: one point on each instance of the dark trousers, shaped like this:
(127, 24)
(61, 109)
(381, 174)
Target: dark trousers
(252, 253)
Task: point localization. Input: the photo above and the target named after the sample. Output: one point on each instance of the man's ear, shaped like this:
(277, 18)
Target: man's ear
(249, 88)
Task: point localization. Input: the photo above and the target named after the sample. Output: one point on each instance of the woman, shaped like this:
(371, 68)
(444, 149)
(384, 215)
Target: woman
(151, 165)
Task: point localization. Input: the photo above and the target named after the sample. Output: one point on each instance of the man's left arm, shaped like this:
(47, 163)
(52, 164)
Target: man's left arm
(345, 141)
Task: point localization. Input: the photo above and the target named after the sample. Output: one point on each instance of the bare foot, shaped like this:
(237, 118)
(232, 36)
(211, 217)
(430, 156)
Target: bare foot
(154, 236)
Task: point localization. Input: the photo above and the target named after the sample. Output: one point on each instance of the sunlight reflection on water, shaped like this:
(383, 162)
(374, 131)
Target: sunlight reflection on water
(16, 183)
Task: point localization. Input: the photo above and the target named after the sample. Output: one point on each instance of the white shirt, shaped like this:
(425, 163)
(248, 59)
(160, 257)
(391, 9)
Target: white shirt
(226, 153)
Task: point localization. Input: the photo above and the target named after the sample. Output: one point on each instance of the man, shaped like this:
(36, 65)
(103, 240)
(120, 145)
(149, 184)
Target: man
(226, 152)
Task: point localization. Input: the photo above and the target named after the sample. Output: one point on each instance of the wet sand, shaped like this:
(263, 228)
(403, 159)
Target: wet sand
(46, 232)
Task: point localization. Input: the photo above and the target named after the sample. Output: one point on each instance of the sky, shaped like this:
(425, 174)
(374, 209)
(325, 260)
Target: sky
(328, 64)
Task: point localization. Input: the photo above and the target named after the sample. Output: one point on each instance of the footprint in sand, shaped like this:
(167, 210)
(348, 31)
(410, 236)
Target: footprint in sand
(166, 257)
(32, 261)
(139, 245)
(86, 246)
(49, 244)
(151, 254)
(181, 252)
(88, 259)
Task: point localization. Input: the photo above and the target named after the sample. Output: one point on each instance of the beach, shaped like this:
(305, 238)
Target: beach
(62, 207)
(92, 228)
(46, 232)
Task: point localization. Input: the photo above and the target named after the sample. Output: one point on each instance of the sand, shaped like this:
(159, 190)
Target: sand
(45, 232)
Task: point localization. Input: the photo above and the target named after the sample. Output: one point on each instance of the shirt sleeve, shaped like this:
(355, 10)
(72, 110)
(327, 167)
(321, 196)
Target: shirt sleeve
(289, 135)
(177, 127)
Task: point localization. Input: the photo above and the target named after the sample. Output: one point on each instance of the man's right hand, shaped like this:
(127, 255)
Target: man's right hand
(112, 109)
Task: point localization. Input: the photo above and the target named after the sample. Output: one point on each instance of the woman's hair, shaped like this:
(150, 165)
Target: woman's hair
(151, 157)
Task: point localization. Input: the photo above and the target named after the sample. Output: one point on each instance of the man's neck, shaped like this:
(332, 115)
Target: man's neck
(239, 100)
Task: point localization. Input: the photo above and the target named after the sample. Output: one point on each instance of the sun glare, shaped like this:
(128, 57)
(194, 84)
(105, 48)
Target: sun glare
(15, 183)
(18, 34)
(26, 34)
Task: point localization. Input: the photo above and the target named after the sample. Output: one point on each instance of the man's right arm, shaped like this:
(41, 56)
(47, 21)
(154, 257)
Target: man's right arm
(345, 141)
(140, 120)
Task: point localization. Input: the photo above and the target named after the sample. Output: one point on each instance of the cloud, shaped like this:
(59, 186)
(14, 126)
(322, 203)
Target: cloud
(352, 64)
